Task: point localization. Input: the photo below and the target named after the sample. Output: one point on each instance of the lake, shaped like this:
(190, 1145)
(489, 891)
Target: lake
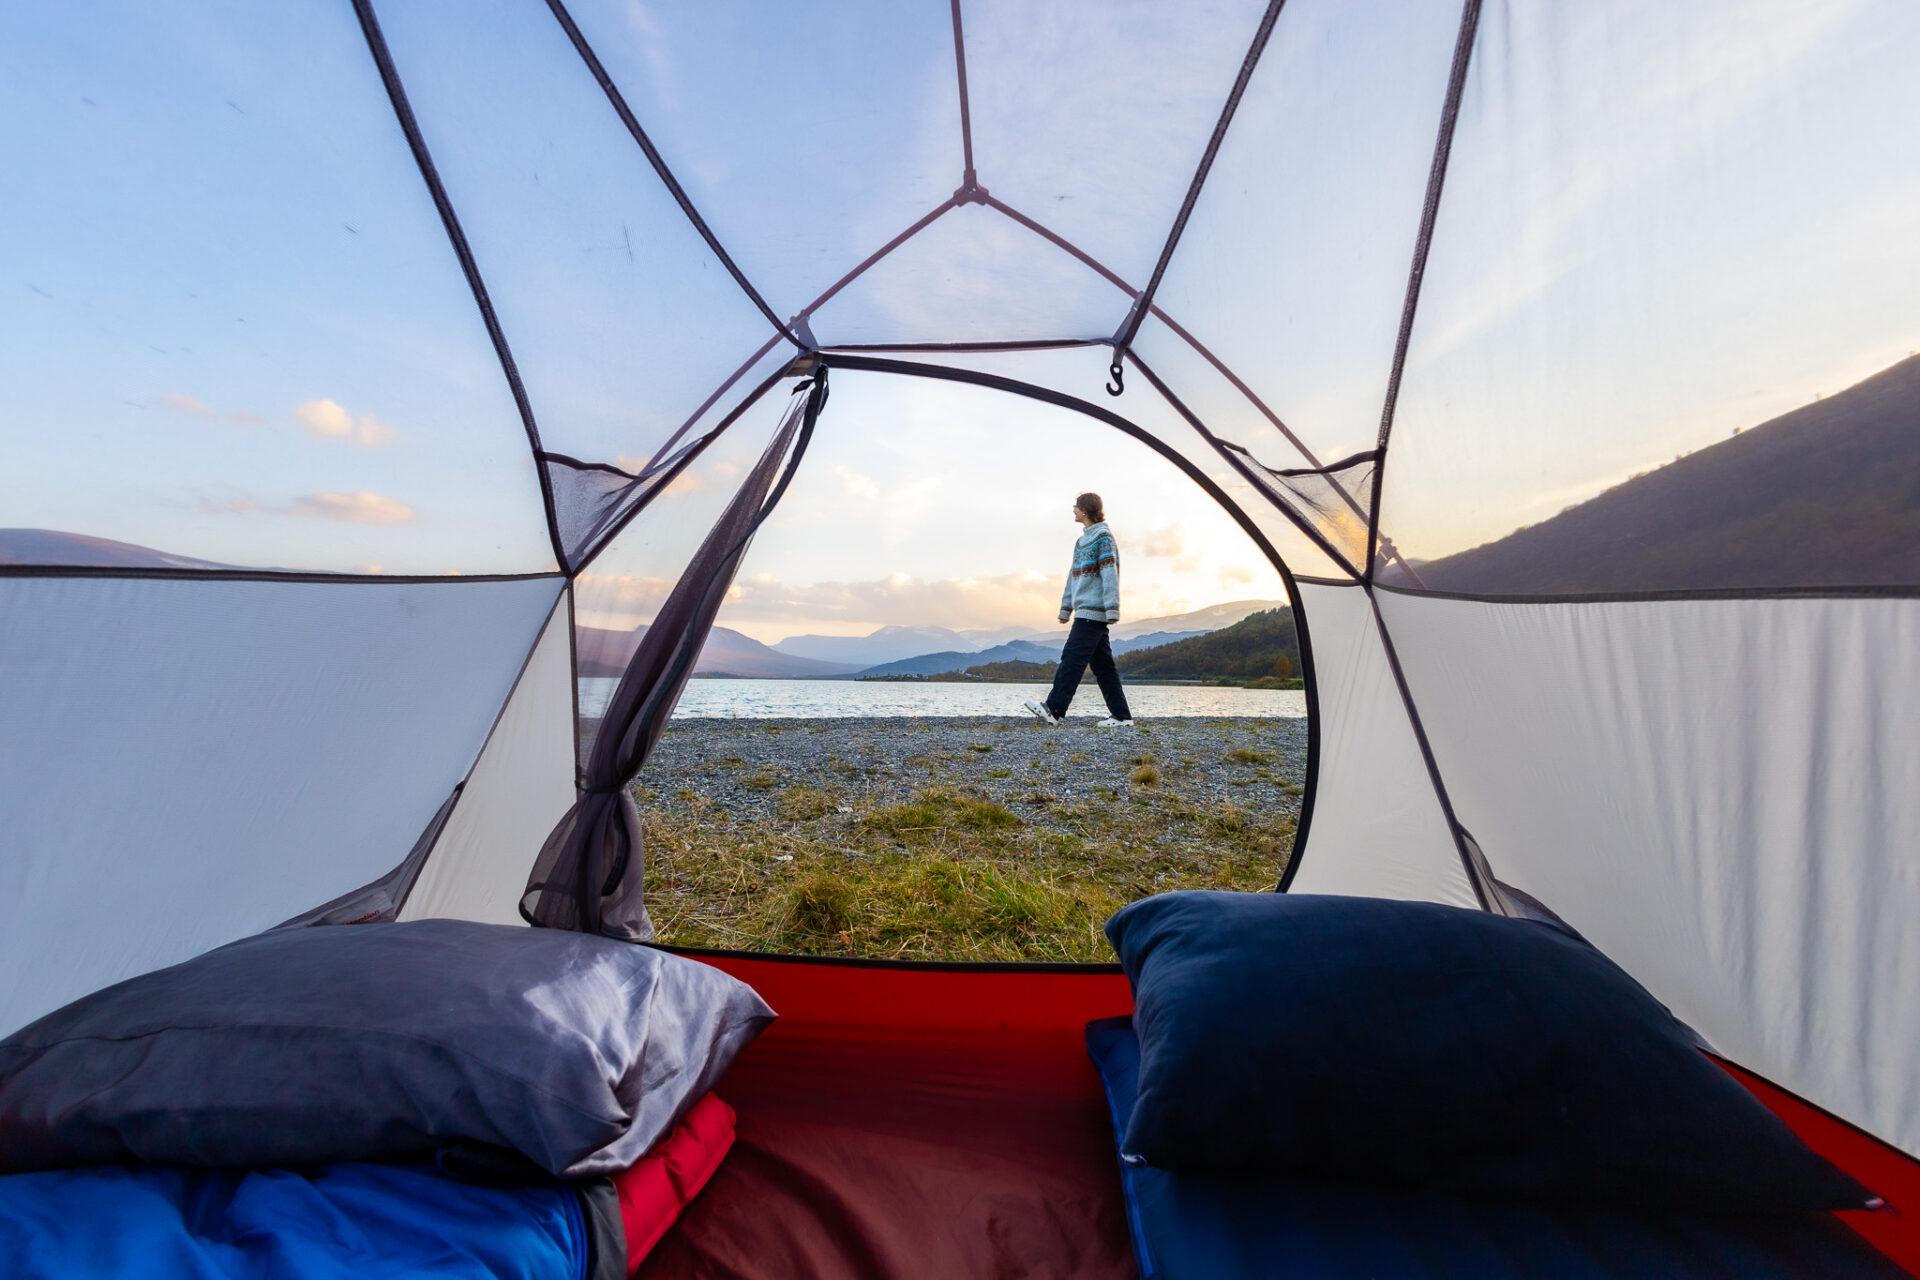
(827, 699)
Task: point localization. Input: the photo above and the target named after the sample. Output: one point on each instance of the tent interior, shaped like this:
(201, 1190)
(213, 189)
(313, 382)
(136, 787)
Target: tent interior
(1559, 360)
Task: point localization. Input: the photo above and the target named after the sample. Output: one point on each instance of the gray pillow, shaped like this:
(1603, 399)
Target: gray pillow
(375, 1041)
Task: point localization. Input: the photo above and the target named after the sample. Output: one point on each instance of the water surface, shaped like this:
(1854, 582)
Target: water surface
(812, 699)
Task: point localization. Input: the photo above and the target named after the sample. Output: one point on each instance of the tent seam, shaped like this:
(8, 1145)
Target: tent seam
(1130, 326)
(1423, 242)
(679, 194)
(423, 159)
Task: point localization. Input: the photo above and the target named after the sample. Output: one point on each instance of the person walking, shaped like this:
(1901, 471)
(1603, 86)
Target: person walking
(1092, 603)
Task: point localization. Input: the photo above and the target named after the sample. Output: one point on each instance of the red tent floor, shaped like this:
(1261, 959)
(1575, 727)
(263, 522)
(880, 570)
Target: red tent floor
(933, 1121)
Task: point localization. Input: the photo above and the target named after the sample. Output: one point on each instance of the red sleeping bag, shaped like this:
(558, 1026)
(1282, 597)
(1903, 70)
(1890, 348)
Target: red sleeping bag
(656, 1189)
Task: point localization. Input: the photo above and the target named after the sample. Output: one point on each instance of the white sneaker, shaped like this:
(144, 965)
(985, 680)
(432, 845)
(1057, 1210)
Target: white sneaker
(1042, 710)
(1111, 723)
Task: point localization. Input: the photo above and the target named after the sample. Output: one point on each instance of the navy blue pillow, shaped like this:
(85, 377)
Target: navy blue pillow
(1420, 1045)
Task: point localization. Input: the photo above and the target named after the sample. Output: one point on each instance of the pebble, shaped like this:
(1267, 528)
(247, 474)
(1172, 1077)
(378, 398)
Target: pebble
(745, 766)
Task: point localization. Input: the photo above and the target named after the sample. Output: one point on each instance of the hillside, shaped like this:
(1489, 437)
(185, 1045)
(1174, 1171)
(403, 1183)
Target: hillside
(1247, 650)
(1211, 618)
(928, 664)
(888, 644)
(51, 546)
(1826, 495)
(896, 643)
(604, 652)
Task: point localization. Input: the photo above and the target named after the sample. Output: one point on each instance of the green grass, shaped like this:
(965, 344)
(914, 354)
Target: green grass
(946, 874)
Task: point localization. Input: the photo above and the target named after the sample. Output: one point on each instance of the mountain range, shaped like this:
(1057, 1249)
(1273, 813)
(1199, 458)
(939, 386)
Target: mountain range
(1038, 649)
(605, 652)
(1826, 495)
(51, 546)
(894, 643)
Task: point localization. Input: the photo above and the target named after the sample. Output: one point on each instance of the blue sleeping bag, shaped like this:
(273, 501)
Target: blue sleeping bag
(1223, 1226)
(332, 1223)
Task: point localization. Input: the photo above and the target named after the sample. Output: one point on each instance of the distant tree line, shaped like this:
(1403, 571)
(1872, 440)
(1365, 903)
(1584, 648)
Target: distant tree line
(1261, 650)
(1261, 646)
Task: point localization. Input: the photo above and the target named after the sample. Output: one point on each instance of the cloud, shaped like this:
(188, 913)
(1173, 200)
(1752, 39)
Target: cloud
(181, 403)
(1164, 542)
(325, 418)
(856, 484)
(1231, 574)
(688, 481)
(371, 432)
(358, 507)
(229, 502)
(330, 420)
(1003, 600)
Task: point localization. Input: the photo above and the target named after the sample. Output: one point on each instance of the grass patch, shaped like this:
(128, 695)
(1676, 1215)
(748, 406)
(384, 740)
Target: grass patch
(973, 863)
(980, 746)
(944, 876)
(1247, 755)
(800, 803)
(942, 809)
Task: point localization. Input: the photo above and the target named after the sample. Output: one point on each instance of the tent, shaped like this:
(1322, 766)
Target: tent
(1561, 359)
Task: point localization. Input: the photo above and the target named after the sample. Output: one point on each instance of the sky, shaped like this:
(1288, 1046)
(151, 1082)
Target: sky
(937, 505)
(231, 326)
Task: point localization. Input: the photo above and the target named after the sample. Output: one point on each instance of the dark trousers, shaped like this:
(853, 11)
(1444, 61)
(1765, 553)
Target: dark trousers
(1087, 646)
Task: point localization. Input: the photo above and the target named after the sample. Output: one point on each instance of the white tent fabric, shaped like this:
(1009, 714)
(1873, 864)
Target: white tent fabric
(185, 761)
(1377, 828)
(1721, 794)
(521, 785)
(384, 286)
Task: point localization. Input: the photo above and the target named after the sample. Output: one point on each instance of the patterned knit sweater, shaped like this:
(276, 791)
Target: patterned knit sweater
(1093, 584)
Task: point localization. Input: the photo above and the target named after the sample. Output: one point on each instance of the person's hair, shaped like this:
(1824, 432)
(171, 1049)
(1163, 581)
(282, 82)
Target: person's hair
(1090, 503)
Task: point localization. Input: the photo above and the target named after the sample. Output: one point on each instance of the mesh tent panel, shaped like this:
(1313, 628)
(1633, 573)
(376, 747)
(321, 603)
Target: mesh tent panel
(592, 499)
(621, 319)
(1333, 498)
(1294, 262)
(617, 595)
(236, 330)
(1663, 224)
(1093, 117)
(862, 138)
(971, 275)
(1330, 493)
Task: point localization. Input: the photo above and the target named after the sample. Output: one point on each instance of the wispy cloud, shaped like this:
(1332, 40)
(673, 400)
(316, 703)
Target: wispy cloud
(324, 419)
(182, 403)
(756, 601)
(357, 507)
(330, 420)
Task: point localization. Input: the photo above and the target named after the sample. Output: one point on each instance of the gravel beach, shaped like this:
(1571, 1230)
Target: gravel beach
(744, 766)
(955, 838)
